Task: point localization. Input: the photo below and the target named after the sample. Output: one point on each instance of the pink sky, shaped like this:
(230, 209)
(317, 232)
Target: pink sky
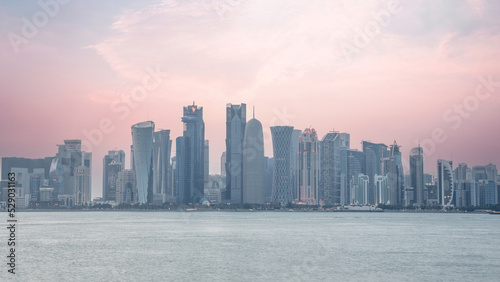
(285, 57)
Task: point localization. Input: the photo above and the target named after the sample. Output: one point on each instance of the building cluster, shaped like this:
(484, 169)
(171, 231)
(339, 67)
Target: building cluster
(65, 178)
(304, 170)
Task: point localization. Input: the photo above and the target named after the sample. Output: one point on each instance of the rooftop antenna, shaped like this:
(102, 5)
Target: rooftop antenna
(253, 111)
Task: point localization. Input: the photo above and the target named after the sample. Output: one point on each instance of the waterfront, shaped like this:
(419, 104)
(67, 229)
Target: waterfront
(263, 246)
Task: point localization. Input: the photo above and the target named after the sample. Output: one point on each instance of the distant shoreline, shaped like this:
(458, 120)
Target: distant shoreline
(249, 211)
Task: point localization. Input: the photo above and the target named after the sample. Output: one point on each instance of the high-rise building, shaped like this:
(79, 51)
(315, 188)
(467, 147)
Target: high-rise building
(190, 157)
(63, 167)
(446, 187)
(374, 153)
(355, 165)
(223, 164)
(82, 193)
(235, 130)
(382, 189)
(464, 186)
(162, 190)
(308, 168)
(282, 189)
(334, 168)
(126, 191)
(112, 163)
(294, 148)
(395, 174)
(487, 193)
(142, 140)
(268, 178)
(359, 190)
(253, 163)
(25, 169)
(417, 174)
(206, 165)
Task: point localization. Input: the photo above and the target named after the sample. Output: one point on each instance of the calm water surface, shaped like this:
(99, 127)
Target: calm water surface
(258, 246)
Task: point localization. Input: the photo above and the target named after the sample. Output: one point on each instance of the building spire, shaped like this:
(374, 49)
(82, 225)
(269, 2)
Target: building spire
(253, 111)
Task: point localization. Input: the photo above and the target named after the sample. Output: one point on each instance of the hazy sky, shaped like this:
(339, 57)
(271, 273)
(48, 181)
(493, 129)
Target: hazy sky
(380, 70)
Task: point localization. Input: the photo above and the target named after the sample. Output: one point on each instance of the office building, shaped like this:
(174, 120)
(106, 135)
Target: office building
(282, 185)
(142, 140)
(235, 130)
(190, 157)
(253, 163)
(308, 168)
(417, 175)
(446, 187)
(162, 190)
(113, 163)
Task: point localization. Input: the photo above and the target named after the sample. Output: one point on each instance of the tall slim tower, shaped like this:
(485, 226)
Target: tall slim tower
(294, 150)
(142, 140)
(253, 163)
(308, 167)
(190, 157)
(282, 184)
(417, 174)
(161, 166)
(235, 130)
(206, 163)
(393, 169)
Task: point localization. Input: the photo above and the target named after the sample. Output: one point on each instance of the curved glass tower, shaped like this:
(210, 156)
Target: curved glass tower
(253, 163)
(282, 137)
(142, 140)
(445, 183)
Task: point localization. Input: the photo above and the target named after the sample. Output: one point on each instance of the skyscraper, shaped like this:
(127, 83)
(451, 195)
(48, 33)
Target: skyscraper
(334, 168)
(294, 149)
(82, 194)
(223, 164)
(126, 191)
(142, 140)
(445, 182)
(190, 157)
(235, 130)
(355, 165)
(253, 163)
(282, 136)
(206, 163)
(374, 153)
(25, 169)
(308, 167)
(417, 174)
(395, 175)
(161, 166)
(63, 168)
(113, 163)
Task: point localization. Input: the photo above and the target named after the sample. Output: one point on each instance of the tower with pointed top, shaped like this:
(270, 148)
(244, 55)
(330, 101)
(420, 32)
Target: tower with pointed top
(253, 162)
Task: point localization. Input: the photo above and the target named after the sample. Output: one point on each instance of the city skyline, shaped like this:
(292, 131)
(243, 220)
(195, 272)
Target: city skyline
(422, 77)
(406, 160)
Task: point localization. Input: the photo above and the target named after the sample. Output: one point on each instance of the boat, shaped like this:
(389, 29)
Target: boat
(493, 212)
(359, 208)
